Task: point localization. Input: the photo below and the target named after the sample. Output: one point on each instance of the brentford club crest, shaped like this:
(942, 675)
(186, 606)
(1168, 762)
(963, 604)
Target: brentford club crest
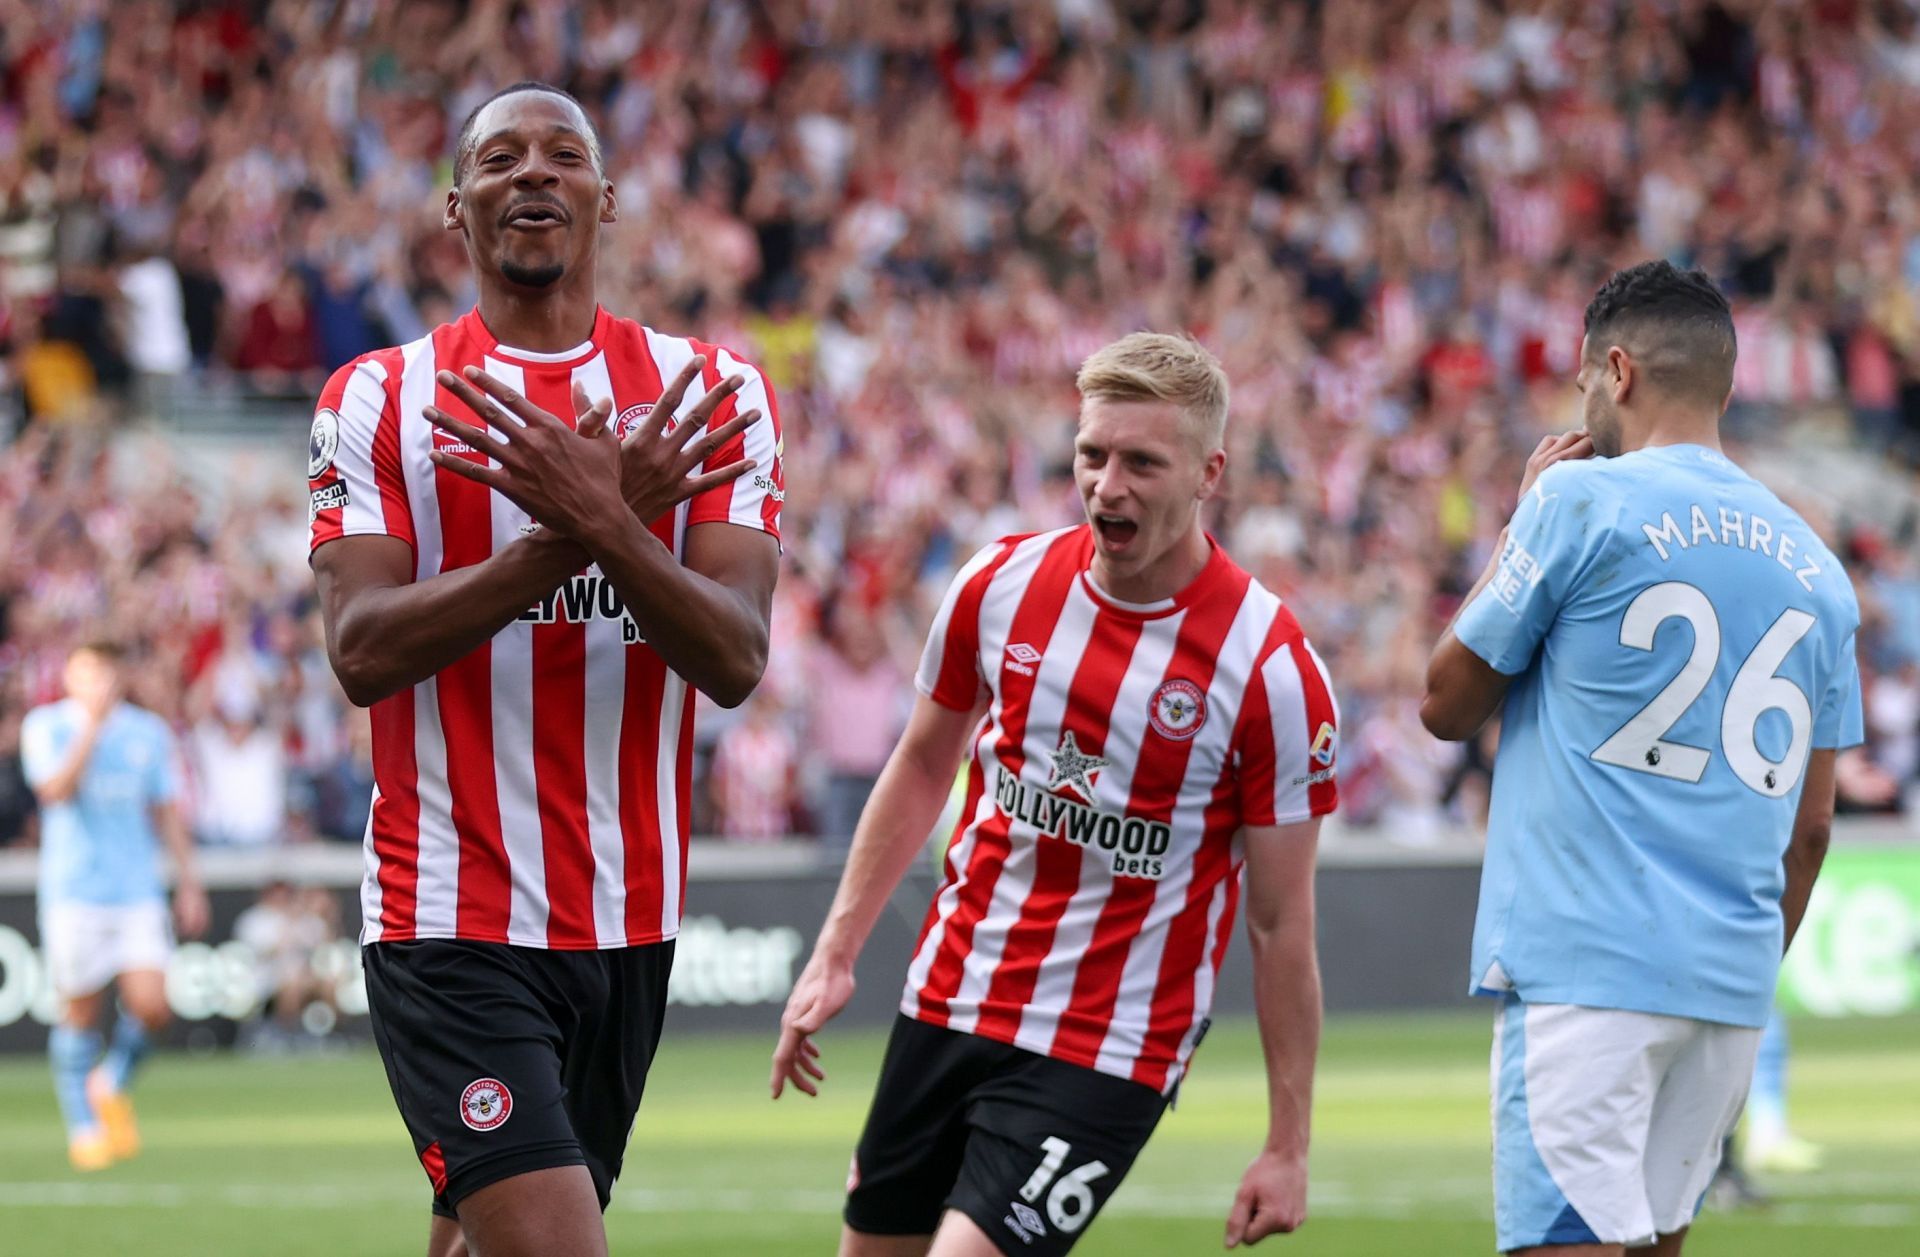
(1178, 710)
(486, 1104)
(630, 419)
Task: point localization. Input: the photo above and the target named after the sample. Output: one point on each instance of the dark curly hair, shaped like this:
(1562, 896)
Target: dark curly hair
(1675, 323)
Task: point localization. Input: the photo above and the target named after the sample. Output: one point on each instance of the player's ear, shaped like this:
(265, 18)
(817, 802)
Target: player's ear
(1210, 474)
(1620, 374)
(609, 211)
(453, 220)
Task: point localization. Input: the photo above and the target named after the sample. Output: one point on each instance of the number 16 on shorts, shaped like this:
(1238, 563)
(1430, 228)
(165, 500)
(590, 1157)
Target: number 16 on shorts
(1068, 1205)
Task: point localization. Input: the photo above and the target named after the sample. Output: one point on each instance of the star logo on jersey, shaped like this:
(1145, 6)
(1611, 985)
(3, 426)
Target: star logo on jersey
(1073, 767)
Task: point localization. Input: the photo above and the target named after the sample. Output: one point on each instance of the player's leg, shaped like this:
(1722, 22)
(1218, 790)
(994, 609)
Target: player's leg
(541, 1213)
(1665, 1246)
(470, 1042)
(960, 1236)
(80, 965)
(73, 1047)
(860, 1244)
(1698, 1102)
(910, 1152)
(617, 1002)
(144, 946)
(446, 1239)
(1770, 1144)
(1573, 1101)
(1049, 1143)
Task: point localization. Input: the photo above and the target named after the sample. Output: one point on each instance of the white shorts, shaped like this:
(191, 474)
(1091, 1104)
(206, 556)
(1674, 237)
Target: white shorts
(88, 945)
(1608, 1124)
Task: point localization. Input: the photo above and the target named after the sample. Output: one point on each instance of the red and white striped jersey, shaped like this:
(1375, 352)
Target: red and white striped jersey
(536, 791)
(1091, 885)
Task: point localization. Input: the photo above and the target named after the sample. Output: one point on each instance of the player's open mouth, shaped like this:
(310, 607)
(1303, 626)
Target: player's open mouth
(1115, 530)
(536, 217)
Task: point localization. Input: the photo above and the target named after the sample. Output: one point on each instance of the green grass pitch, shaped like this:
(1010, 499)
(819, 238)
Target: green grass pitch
(291, 1157)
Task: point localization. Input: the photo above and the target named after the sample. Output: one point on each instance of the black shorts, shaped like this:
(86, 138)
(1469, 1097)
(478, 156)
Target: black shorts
(506, 1060)
(1028, 1147)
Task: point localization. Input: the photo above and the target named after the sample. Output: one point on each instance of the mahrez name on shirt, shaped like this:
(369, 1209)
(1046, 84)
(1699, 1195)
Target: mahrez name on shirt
(1754, 534)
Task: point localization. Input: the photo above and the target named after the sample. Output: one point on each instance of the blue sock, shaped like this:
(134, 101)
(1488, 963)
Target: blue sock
(73, 1053)
(126, 1051)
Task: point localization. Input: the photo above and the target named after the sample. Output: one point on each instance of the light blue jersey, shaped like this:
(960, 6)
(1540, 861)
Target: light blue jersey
(1680, 643)
(100, 846)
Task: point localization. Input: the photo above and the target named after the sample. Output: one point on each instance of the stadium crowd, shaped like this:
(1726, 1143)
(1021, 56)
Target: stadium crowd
(1385, 216)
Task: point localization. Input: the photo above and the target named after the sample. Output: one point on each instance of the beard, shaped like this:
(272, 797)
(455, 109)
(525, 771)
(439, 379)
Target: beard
(1603, 426)
(542, 276)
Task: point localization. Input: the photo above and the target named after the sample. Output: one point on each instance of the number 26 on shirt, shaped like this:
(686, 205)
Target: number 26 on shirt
(1640, 744)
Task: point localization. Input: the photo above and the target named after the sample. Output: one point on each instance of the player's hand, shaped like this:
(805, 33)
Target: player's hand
(1272, 1199)
(1551, 450)
(654, 463)
(823, 990)
(191, 912)
(98, 699)
(567, 479)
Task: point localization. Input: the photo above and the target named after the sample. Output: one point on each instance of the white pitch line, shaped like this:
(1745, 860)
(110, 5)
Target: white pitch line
(1331, 1201)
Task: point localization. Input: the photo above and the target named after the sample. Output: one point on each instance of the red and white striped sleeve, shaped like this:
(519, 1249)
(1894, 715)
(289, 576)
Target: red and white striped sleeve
(1289, 738)
(353, 458)
(949, 671)
(755, 499)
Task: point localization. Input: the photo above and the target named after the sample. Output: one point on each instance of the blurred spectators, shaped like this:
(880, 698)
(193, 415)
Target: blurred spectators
(285, 930)
(1384, 215)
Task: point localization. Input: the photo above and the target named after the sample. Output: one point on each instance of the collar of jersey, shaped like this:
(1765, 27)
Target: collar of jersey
(1216, 561)
(491, 346)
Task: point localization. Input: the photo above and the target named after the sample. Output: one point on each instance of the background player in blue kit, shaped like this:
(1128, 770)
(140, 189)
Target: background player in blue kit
(107, 777)
(1675, 652)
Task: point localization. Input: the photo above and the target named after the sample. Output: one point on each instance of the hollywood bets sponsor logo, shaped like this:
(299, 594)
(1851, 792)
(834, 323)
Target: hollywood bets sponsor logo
(486, 1104)
(1136, 847)
(586, 596)
(1177, 710)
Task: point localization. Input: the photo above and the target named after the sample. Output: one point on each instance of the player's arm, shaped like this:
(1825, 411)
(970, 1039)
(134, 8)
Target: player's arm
(1812, 830)
(707, 618)
(55, 777)
(906, 803)
(1463, 690)
(1286, 992)
(190, 907)
(387, 632)
(1465, 680)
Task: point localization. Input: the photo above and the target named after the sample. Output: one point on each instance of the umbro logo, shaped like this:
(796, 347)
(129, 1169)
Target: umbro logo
(1024, 1222)
(1022, 658)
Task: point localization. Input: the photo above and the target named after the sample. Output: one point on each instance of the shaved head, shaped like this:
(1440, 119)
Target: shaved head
(472, 129)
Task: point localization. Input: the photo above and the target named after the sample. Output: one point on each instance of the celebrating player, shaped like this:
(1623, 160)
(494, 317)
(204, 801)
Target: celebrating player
(1153, 719)
(107, 776)
(1675, 651)
(523, 564)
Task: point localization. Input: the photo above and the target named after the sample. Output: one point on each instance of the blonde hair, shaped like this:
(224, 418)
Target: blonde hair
(1154, 366)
